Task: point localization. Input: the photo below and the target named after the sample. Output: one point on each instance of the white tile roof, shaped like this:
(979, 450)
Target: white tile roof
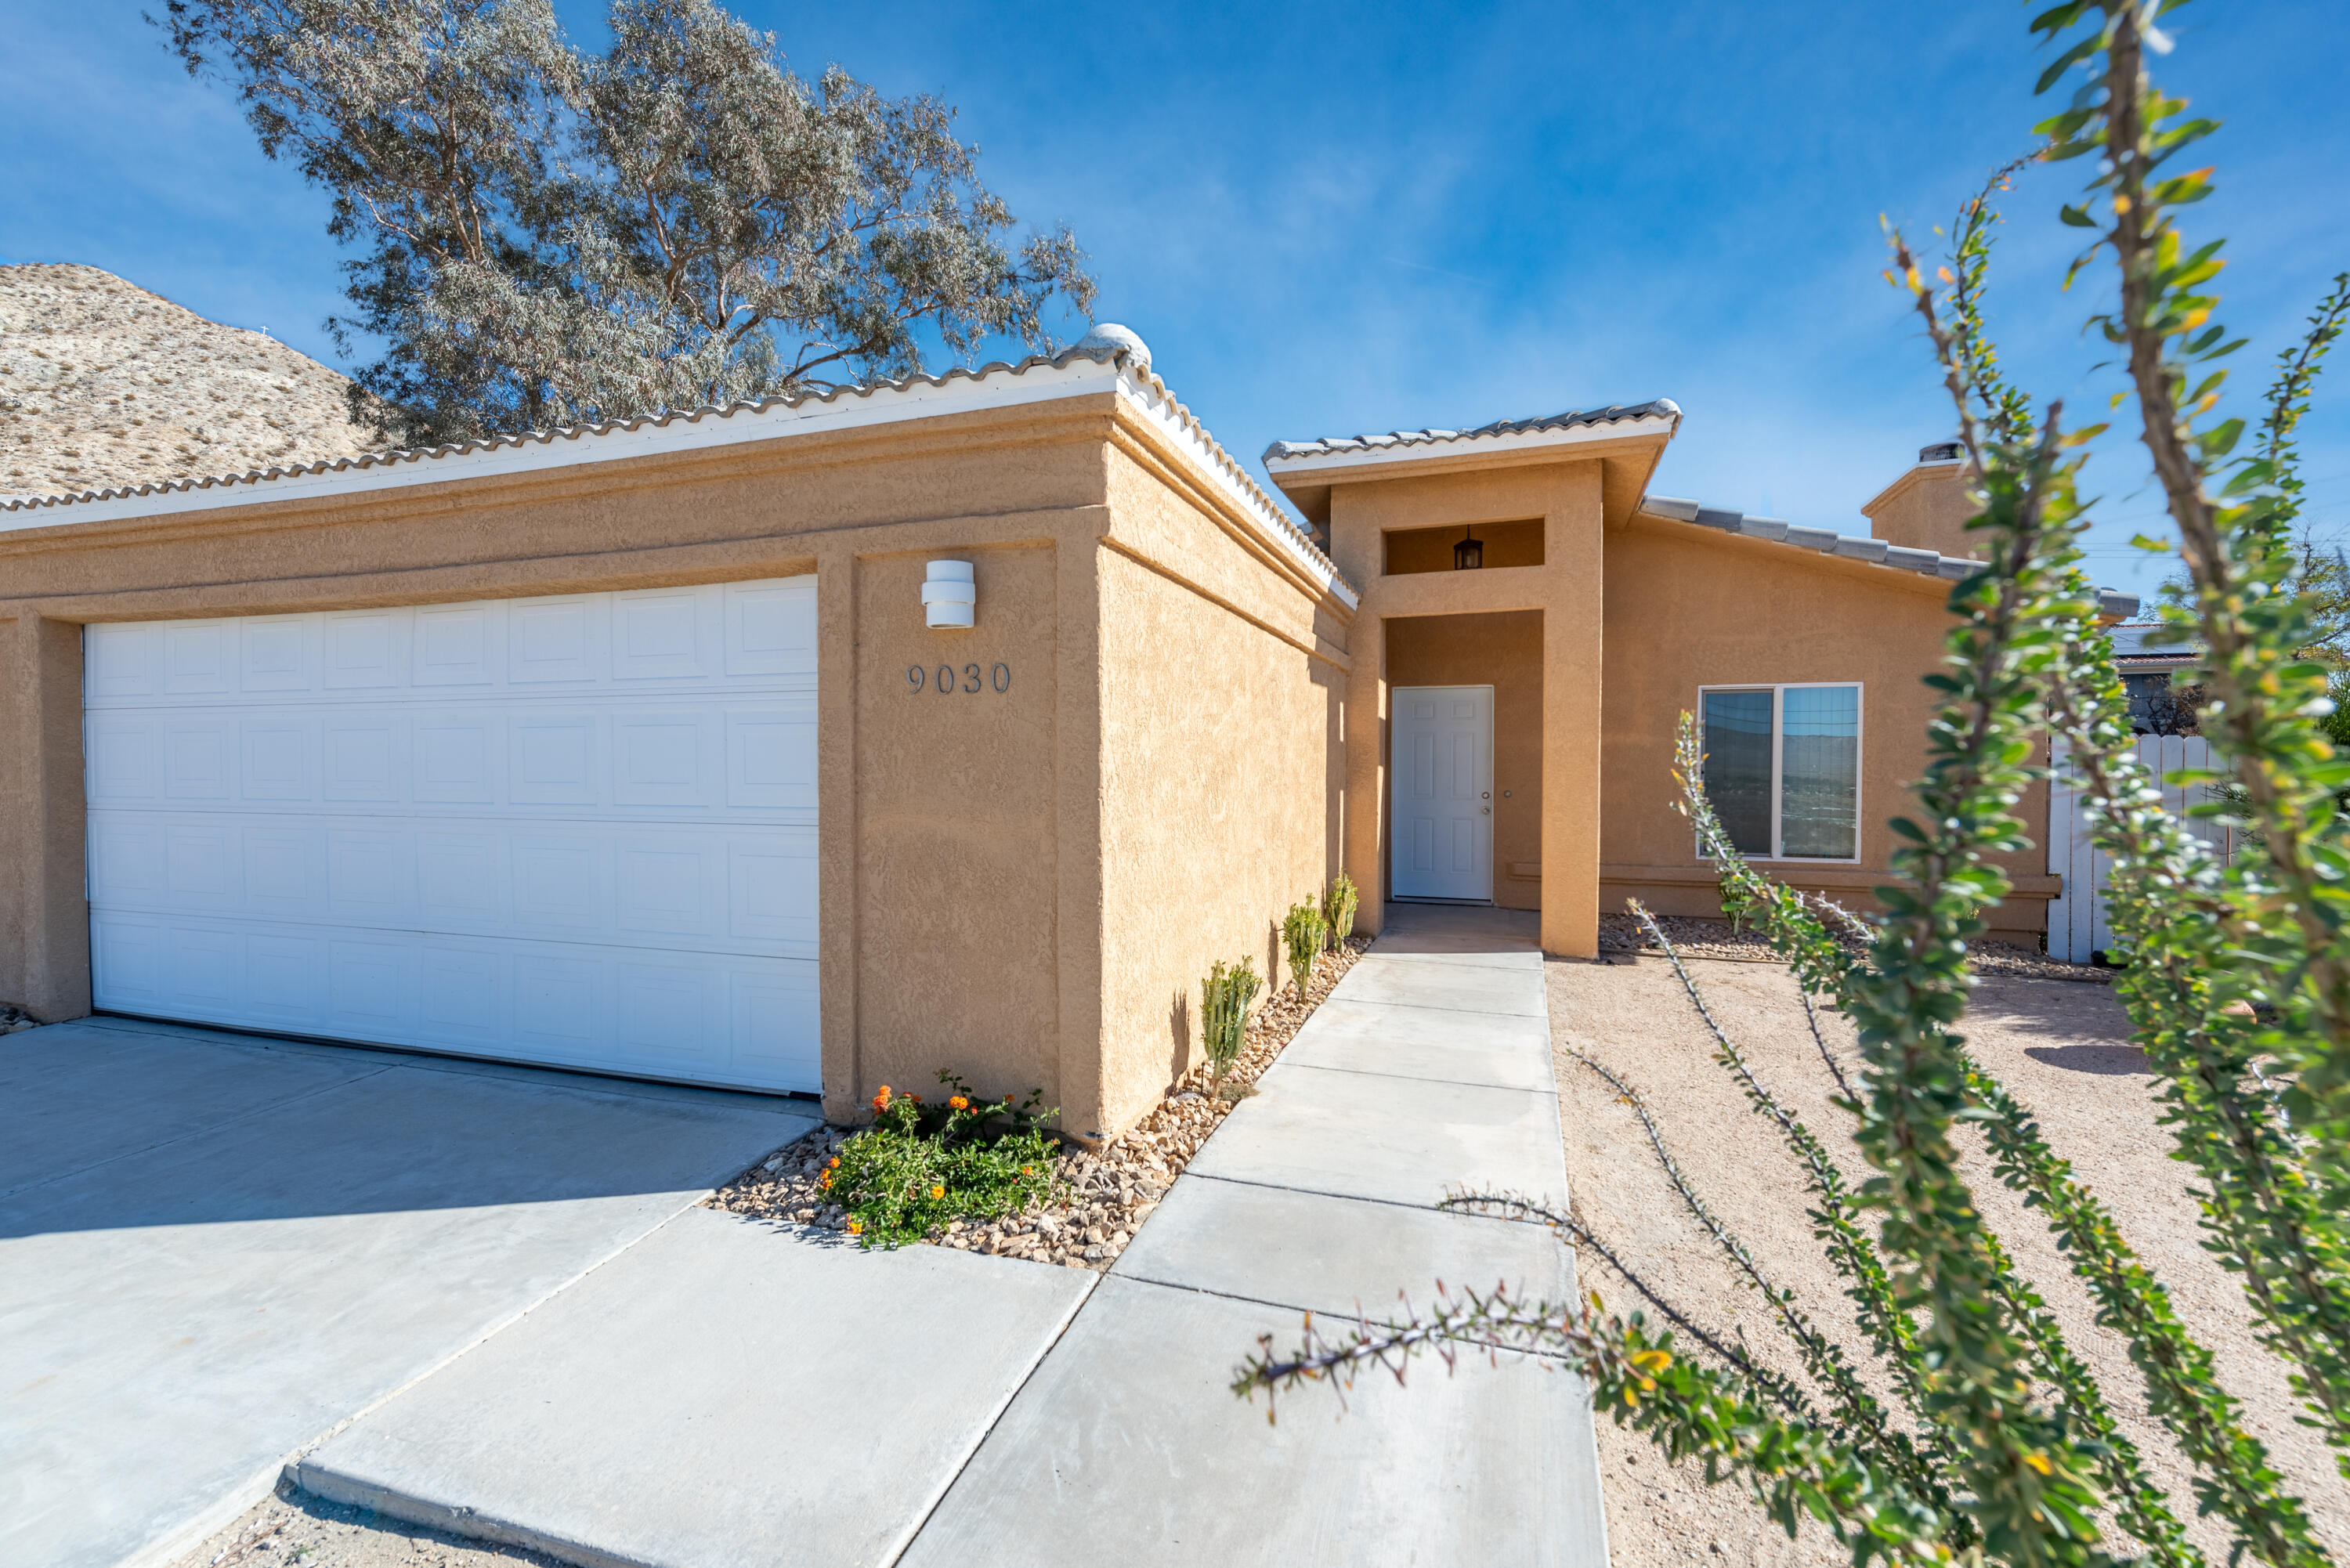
(1036, 378)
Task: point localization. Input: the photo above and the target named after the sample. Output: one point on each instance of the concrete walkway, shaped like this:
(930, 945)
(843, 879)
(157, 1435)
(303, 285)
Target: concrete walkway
(729, 1393)
(216, 1249)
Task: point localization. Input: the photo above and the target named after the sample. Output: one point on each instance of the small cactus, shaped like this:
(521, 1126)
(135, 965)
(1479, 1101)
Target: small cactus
(1338, 905)
(1306, 933)
(1224, 998)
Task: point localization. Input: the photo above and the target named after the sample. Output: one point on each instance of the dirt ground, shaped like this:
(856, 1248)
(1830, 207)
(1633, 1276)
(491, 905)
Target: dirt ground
(291, 1528)
(2064, 1050)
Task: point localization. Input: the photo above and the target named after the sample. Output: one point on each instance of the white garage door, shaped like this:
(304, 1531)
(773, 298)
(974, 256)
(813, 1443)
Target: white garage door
(579, 831)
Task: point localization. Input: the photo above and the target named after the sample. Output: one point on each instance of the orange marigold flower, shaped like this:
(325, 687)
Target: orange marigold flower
(857, 1227)
(937, 1193)
(1027, 1170)
(834, 1164)
(881, 1100)
(959, 1104)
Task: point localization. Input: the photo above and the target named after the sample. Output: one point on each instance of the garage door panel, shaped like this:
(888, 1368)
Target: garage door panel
(770, 629)
(275, 757)
(665, 634)
(199, 657)
(740, 1020)
(196, 759)
(579, 831)
(122, 757)
(364, 650)
(558, 640)
(457, 645)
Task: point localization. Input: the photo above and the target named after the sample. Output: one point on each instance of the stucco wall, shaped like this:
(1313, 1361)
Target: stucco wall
(958, 831)
(1504, 651)
(1220, 692)
(1688, 608)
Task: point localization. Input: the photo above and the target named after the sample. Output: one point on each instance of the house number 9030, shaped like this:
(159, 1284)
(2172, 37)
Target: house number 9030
(947, 679)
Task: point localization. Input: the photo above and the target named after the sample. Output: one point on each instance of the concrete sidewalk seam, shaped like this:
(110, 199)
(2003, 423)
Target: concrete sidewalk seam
(1413, 1077)
(1361, 1197)
(1426, 1007)
(994, 1417)
(1364, 1318)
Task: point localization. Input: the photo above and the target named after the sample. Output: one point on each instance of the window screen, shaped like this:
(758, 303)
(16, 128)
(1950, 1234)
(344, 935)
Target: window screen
(1819, 771)
(1738, 766)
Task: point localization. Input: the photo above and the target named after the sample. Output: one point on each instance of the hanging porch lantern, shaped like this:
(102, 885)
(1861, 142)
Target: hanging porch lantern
(1470, 553)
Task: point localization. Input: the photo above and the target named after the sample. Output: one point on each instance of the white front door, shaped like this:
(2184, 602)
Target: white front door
(579, 831)
(1442, 792)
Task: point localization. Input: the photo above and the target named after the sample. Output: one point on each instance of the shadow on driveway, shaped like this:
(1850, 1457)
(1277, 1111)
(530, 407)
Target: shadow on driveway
(214, 1248)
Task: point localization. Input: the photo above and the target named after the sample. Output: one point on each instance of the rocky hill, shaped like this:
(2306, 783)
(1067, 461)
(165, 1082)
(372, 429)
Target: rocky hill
(103, 383)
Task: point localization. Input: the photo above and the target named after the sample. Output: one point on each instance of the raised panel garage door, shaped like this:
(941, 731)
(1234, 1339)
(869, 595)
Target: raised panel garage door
(577, 831)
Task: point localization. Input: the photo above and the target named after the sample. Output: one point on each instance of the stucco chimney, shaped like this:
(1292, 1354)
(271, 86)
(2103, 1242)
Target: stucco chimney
(1926, 508)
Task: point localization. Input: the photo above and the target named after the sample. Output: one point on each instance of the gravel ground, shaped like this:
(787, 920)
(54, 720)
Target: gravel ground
(2064, 1051)
(291, 1528)
(1697, 937)
(103, 383)
(1110, 1189)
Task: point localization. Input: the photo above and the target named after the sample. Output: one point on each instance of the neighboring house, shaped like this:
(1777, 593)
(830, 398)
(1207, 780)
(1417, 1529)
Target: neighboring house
(2149, 656)
(653, 748)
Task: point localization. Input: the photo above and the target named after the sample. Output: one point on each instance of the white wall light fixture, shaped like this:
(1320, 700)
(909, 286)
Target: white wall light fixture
(950, 597)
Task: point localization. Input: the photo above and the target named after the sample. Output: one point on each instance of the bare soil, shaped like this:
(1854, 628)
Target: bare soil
(104, 384)
(291, 1528)
(2063, 1048)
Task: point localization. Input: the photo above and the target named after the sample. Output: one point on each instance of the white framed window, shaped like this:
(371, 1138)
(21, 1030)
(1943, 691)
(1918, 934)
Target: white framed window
(1783, 767)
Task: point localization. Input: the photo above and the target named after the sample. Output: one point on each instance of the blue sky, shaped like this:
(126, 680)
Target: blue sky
(1334, 219)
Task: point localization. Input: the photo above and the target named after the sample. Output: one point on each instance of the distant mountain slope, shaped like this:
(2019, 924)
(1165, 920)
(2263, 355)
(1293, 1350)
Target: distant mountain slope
(103, 383)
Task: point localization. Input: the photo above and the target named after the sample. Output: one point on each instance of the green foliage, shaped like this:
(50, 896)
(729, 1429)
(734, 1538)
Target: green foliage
(1224, 998)
(1339, 905)
(2236, 976)
(1304, 932)
(551, 236)
(953, 1156)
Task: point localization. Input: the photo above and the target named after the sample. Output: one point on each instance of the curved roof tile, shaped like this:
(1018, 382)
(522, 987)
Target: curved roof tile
(1656, 408)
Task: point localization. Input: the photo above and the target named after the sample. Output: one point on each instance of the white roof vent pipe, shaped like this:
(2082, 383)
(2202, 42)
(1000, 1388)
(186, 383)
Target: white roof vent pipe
(950, 597)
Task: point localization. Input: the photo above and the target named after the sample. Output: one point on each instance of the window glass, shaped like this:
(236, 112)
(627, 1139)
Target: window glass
(1819, 771)
(1738, 766)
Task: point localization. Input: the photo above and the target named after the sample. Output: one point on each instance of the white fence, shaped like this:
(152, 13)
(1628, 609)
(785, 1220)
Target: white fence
(2076, 920)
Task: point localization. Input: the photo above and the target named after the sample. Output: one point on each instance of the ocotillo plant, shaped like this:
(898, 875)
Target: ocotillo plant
(1305, 934)
(1224, 998)
(1339, 905)
(2236, 975)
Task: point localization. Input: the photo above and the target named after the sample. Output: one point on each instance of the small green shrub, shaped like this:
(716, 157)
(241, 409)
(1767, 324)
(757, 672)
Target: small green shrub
(1338, 905)
(1224, 998)
(920, 1165)
(1306, 933)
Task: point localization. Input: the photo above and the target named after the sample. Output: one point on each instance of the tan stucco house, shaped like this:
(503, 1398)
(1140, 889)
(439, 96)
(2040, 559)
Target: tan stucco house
(654, 748)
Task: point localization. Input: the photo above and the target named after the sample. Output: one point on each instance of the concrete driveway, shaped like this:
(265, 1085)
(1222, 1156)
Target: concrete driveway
(215, 1250)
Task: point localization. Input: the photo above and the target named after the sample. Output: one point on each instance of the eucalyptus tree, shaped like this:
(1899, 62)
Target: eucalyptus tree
(545, 236)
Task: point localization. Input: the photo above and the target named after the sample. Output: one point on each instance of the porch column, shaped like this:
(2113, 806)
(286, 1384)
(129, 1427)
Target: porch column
(1367, 806)
(1573, 555)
